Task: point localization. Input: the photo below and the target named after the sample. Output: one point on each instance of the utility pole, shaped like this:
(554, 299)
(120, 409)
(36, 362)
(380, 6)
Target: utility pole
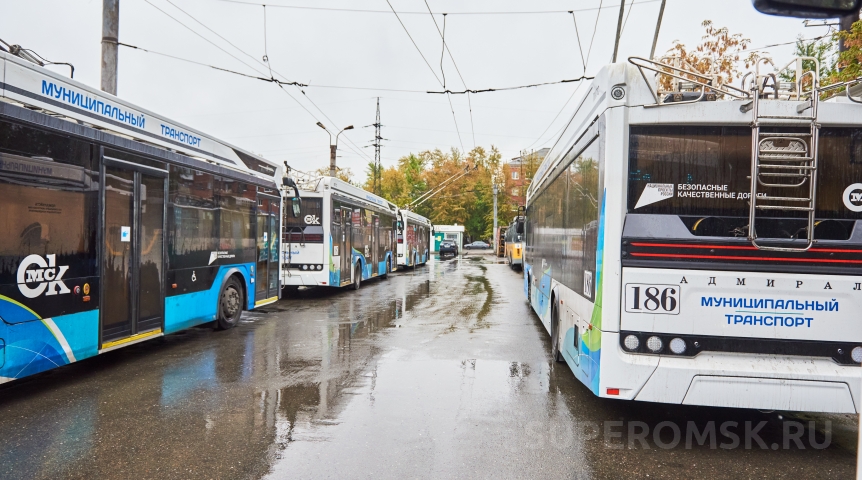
(333, 147)
(110, 37)
(494, 232)
(619, 30)
(332, 150)
(375, 184)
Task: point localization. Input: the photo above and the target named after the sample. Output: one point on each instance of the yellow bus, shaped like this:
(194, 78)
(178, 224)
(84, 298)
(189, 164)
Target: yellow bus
(515, 243)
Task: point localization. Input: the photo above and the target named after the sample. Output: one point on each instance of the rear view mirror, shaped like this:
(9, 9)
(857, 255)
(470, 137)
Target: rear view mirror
(296, 204)
(808, 8)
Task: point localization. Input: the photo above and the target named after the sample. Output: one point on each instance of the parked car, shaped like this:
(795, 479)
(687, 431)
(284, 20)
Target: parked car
(448, 247)
(478, 245)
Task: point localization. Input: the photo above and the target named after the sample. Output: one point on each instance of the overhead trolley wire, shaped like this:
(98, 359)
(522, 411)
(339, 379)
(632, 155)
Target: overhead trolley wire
(502, 89)
(429, 67)
(356, 10)
(446, 48)
(355, 148)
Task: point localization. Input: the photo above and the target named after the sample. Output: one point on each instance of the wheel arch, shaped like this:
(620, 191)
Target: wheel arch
(243, 283)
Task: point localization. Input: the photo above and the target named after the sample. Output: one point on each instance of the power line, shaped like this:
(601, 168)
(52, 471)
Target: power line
(557, 115)
(578, 36)
(451, 108)
(501, 89)
(446, 48)
(414, 43)
(351, 144)
(595, 28)
(349, 87)
(272, 80)
(355, 10)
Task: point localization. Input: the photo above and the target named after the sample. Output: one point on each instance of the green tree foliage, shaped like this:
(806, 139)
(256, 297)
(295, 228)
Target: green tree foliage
(823, 50)
(849, 64)
(467, 201)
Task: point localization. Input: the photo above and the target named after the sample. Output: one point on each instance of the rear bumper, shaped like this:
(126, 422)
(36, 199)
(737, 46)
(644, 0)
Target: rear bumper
(766, 382)
(448, 252)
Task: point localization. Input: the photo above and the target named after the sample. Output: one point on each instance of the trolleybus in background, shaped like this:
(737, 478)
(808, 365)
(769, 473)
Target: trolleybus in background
(118, 225)
(414, 235)
(696, 243)
(514, 242)
(342, 236)
(500, 241)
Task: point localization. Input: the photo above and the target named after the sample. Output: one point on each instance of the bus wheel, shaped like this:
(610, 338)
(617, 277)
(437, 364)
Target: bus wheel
(357, 276)
(388, 268)
(529, 289)
(555, 332)
(229, 305)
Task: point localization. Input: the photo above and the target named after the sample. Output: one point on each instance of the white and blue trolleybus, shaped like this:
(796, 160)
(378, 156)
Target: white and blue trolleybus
(694, 242)
(414, 236)
(342, 236)
(118, 225)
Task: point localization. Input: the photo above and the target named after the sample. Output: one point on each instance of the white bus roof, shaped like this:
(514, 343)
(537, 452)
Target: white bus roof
(415, 217)
(29, 84)
(340, 187)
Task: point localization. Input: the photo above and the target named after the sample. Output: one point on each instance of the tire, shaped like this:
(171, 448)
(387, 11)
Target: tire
(388, 268)
(229, 305)
(555, 333)
(357, 276)
(529, 289)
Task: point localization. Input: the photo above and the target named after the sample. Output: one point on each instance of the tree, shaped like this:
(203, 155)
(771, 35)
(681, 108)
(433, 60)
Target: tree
(849, 65)
(822, 50)
(720, 53)
(345, 174)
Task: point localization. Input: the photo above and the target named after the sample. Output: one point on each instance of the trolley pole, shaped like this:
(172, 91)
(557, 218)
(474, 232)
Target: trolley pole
(110, 37)
(494, 232)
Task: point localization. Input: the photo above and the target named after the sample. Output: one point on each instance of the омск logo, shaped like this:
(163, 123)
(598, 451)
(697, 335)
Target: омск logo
(853, 197)
(47, 276)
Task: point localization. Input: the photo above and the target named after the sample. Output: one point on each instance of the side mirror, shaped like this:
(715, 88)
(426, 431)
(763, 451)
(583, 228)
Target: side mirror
(296, 204)
(400, 226)
(808, 8)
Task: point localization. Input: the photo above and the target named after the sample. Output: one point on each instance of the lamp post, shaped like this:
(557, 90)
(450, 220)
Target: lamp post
(333, 147)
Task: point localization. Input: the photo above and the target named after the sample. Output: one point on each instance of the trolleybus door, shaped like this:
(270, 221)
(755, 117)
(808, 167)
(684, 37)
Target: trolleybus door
(375, 245)
(133, 273)
(266, 277)
(346, 244)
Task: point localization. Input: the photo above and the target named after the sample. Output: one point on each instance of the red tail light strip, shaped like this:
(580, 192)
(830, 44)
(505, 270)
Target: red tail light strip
(730, 247)
(758, 259)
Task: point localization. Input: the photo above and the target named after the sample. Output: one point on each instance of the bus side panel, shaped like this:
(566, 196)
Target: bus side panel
(334, 267)
(32, 347)
(190, 309)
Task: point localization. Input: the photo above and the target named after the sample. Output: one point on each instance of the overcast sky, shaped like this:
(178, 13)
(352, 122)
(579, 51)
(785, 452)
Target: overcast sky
(367, 51)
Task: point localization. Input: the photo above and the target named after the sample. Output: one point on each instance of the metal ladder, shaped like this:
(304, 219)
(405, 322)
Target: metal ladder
(786, 161)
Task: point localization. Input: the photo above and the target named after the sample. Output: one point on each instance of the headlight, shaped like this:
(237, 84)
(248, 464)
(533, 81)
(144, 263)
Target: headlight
(305, 267)
(631, 342)
(677, 346)
(654, 344)
(856, 354)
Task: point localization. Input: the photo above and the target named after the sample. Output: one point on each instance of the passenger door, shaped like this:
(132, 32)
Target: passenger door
(266, 275)
(133, 225)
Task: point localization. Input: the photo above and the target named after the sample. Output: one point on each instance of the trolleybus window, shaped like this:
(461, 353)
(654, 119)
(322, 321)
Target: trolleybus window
(49, 220)
(562, 223)
(701, 171)
(192, 222)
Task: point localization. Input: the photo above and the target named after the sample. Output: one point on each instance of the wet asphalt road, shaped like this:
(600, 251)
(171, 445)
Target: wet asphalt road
(441, 372)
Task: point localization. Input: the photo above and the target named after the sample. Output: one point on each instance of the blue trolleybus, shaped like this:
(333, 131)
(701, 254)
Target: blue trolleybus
(118, 226)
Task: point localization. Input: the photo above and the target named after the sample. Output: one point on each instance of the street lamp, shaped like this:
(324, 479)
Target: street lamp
(333, 147)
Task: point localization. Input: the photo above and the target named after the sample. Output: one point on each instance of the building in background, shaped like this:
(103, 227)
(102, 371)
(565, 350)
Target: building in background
(454, 233)
(518, 173)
